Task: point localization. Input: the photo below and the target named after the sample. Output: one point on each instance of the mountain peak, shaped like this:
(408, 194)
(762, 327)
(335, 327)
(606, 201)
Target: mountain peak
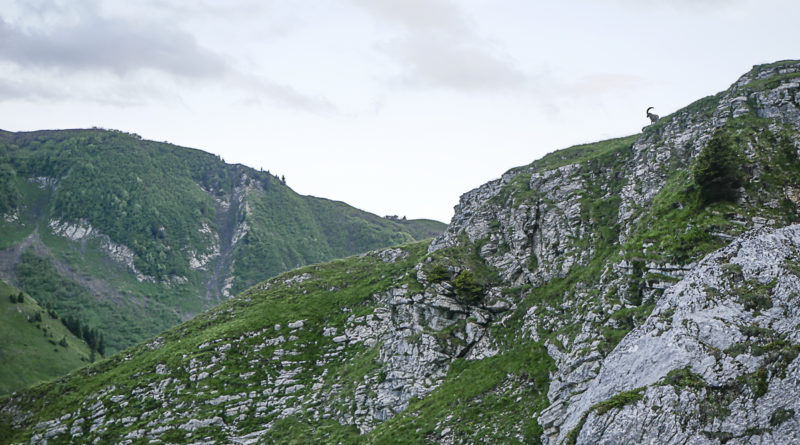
(605, 293)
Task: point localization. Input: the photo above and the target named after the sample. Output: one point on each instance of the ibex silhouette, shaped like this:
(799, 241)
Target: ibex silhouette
(653, 117)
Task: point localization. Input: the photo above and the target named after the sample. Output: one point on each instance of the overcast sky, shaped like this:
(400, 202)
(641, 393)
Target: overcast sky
(393, 106)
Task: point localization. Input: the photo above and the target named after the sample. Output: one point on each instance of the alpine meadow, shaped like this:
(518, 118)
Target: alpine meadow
(125, 237)
(643, 289)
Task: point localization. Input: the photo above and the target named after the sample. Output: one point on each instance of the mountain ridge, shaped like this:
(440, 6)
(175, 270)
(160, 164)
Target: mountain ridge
(505, 329)
(147, 234)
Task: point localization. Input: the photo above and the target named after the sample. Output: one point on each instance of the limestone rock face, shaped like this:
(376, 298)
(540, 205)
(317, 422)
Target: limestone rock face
(708, 326)
(413, 358)
(647, 345)
(545, 231)
(528, 243)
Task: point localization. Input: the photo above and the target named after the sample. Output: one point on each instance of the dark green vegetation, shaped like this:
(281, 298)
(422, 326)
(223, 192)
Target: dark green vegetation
(329, 295)
(691, 209)
(743, 174)
(718, 171)
(173, 230)
(64, 296)
(34, 344)
(463, 265)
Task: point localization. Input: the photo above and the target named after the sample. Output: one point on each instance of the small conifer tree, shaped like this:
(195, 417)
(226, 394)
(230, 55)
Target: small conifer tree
(718, 170)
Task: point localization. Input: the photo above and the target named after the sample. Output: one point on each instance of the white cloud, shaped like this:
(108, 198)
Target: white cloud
(602, 83)
(439, 47)
(259, 90)
(431, 61)
(439, 16)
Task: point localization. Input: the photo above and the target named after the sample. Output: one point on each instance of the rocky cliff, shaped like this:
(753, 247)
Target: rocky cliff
(622, 226)
(637, 290)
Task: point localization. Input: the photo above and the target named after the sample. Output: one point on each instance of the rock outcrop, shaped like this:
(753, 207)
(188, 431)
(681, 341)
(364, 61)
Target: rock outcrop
(537, 225)
(595, 296)
(714, 360)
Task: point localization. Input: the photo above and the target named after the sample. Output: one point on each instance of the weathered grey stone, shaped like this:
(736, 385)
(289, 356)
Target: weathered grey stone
(702, 325)
(296, 324)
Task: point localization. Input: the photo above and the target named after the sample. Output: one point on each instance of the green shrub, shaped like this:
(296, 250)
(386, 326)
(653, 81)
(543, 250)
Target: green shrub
(684, 378)
(781, 415)
(619, 400)
(466, 288)
(718, 170)
(438, 273)
(755, 296)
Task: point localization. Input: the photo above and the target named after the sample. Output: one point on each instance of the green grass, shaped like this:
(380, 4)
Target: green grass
(773, 81)
(578, 154)
(494, 400)
(479, 413)
(154, 198)
(355, 281)
(31, 351)
(120, 319)
(591, 155)
(470, 384)
(681, 223)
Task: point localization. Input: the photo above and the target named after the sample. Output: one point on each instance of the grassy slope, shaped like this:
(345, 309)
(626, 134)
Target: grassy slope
(468, 391)
(475, 394)
(356, 279)
(30, 352)
(150, 196)
(424, 228)
(492, 399)
(287, 230)
(471, 392)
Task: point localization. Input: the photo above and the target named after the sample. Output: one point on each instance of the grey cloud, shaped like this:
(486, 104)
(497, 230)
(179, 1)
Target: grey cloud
(440, 48)
(260, 90)
(10, 90)
(69, 50)
(437, 62)
(115, 45)
(440, 16)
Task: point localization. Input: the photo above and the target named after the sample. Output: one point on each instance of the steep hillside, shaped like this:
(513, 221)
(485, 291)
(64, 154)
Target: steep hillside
(35, 346)
(637, 290)
(145, 234)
